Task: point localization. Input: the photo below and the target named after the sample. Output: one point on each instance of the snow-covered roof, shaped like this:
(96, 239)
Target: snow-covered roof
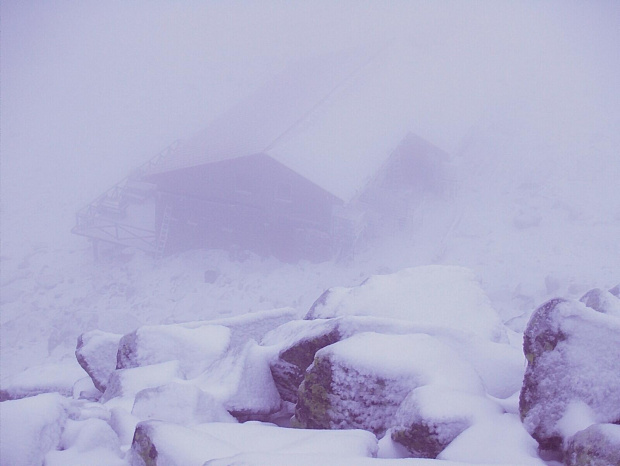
(333, 119)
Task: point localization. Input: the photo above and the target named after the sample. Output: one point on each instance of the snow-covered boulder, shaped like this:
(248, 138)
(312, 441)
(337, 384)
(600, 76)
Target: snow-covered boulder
(180, 403)
(615, 290)
(58, 377)
(297, 342)
(31, 427)
(96, 352)
(499, 439)
(432, 416)
(124, 384)
(602, 301)
(157, 443)
(573, 371)
(90, 441)
(242, 382)
(360, 382)
(194, 348)
(598, 445)
(196, 345)
(446, 296)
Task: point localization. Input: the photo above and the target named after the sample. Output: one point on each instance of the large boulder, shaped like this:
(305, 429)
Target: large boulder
(159, 443)
(196, 345)
(295, 344)
(180, 403)
(360, 382)
(194, 348)
(58, 377)
(31, 427)
(431, 417)
(242, 383)
(498, 439)
(444, 296)
(96, 352)
(124, 384)
(573, 355)
(598, 445)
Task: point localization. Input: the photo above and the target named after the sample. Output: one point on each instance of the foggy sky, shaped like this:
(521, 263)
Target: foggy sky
(92, 89)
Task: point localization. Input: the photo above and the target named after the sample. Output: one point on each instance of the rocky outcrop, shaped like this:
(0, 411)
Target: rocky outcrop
(297, 344)
(360, 382)
(573, 355)
(598, 445)
(446, 296)
(194, 348)
(96, 352)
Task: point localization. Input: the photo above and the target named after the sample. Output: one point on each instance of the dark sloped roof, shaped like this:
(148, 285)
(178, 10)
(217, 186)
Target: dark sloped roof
(333, 119)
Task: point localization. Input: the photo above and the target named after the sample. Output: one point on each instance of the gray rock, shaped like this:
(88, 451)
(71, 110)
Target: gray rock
(573, 355)
(297, 353)
(431, 417)
(360, 382)
(598, 445)
(96, 353)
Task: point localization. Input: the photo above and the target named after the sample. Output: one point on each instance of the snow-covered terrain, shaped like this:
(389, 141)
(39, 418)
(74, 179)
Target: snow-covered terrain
(524, 99)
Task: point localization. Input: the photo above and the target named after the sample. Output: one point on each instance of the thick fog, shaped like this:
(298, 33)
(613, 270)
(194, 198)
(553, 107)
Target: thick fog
(91, 89)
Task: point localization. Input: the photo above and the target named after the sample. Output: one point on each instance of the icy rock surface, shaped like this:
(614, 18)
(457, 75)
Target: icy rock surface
(96, 352)
(157, 442)
(30, 428)
(447, 296)
(432, 416)
(360, 382)
(573, 355)
(598, 445)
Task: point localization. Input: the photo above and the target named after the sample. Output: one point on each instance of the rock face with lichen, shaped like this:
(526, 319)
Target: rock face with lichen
(297, 353)
(573, 355)
(360, 382)
(598, 445)
(96, 352)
